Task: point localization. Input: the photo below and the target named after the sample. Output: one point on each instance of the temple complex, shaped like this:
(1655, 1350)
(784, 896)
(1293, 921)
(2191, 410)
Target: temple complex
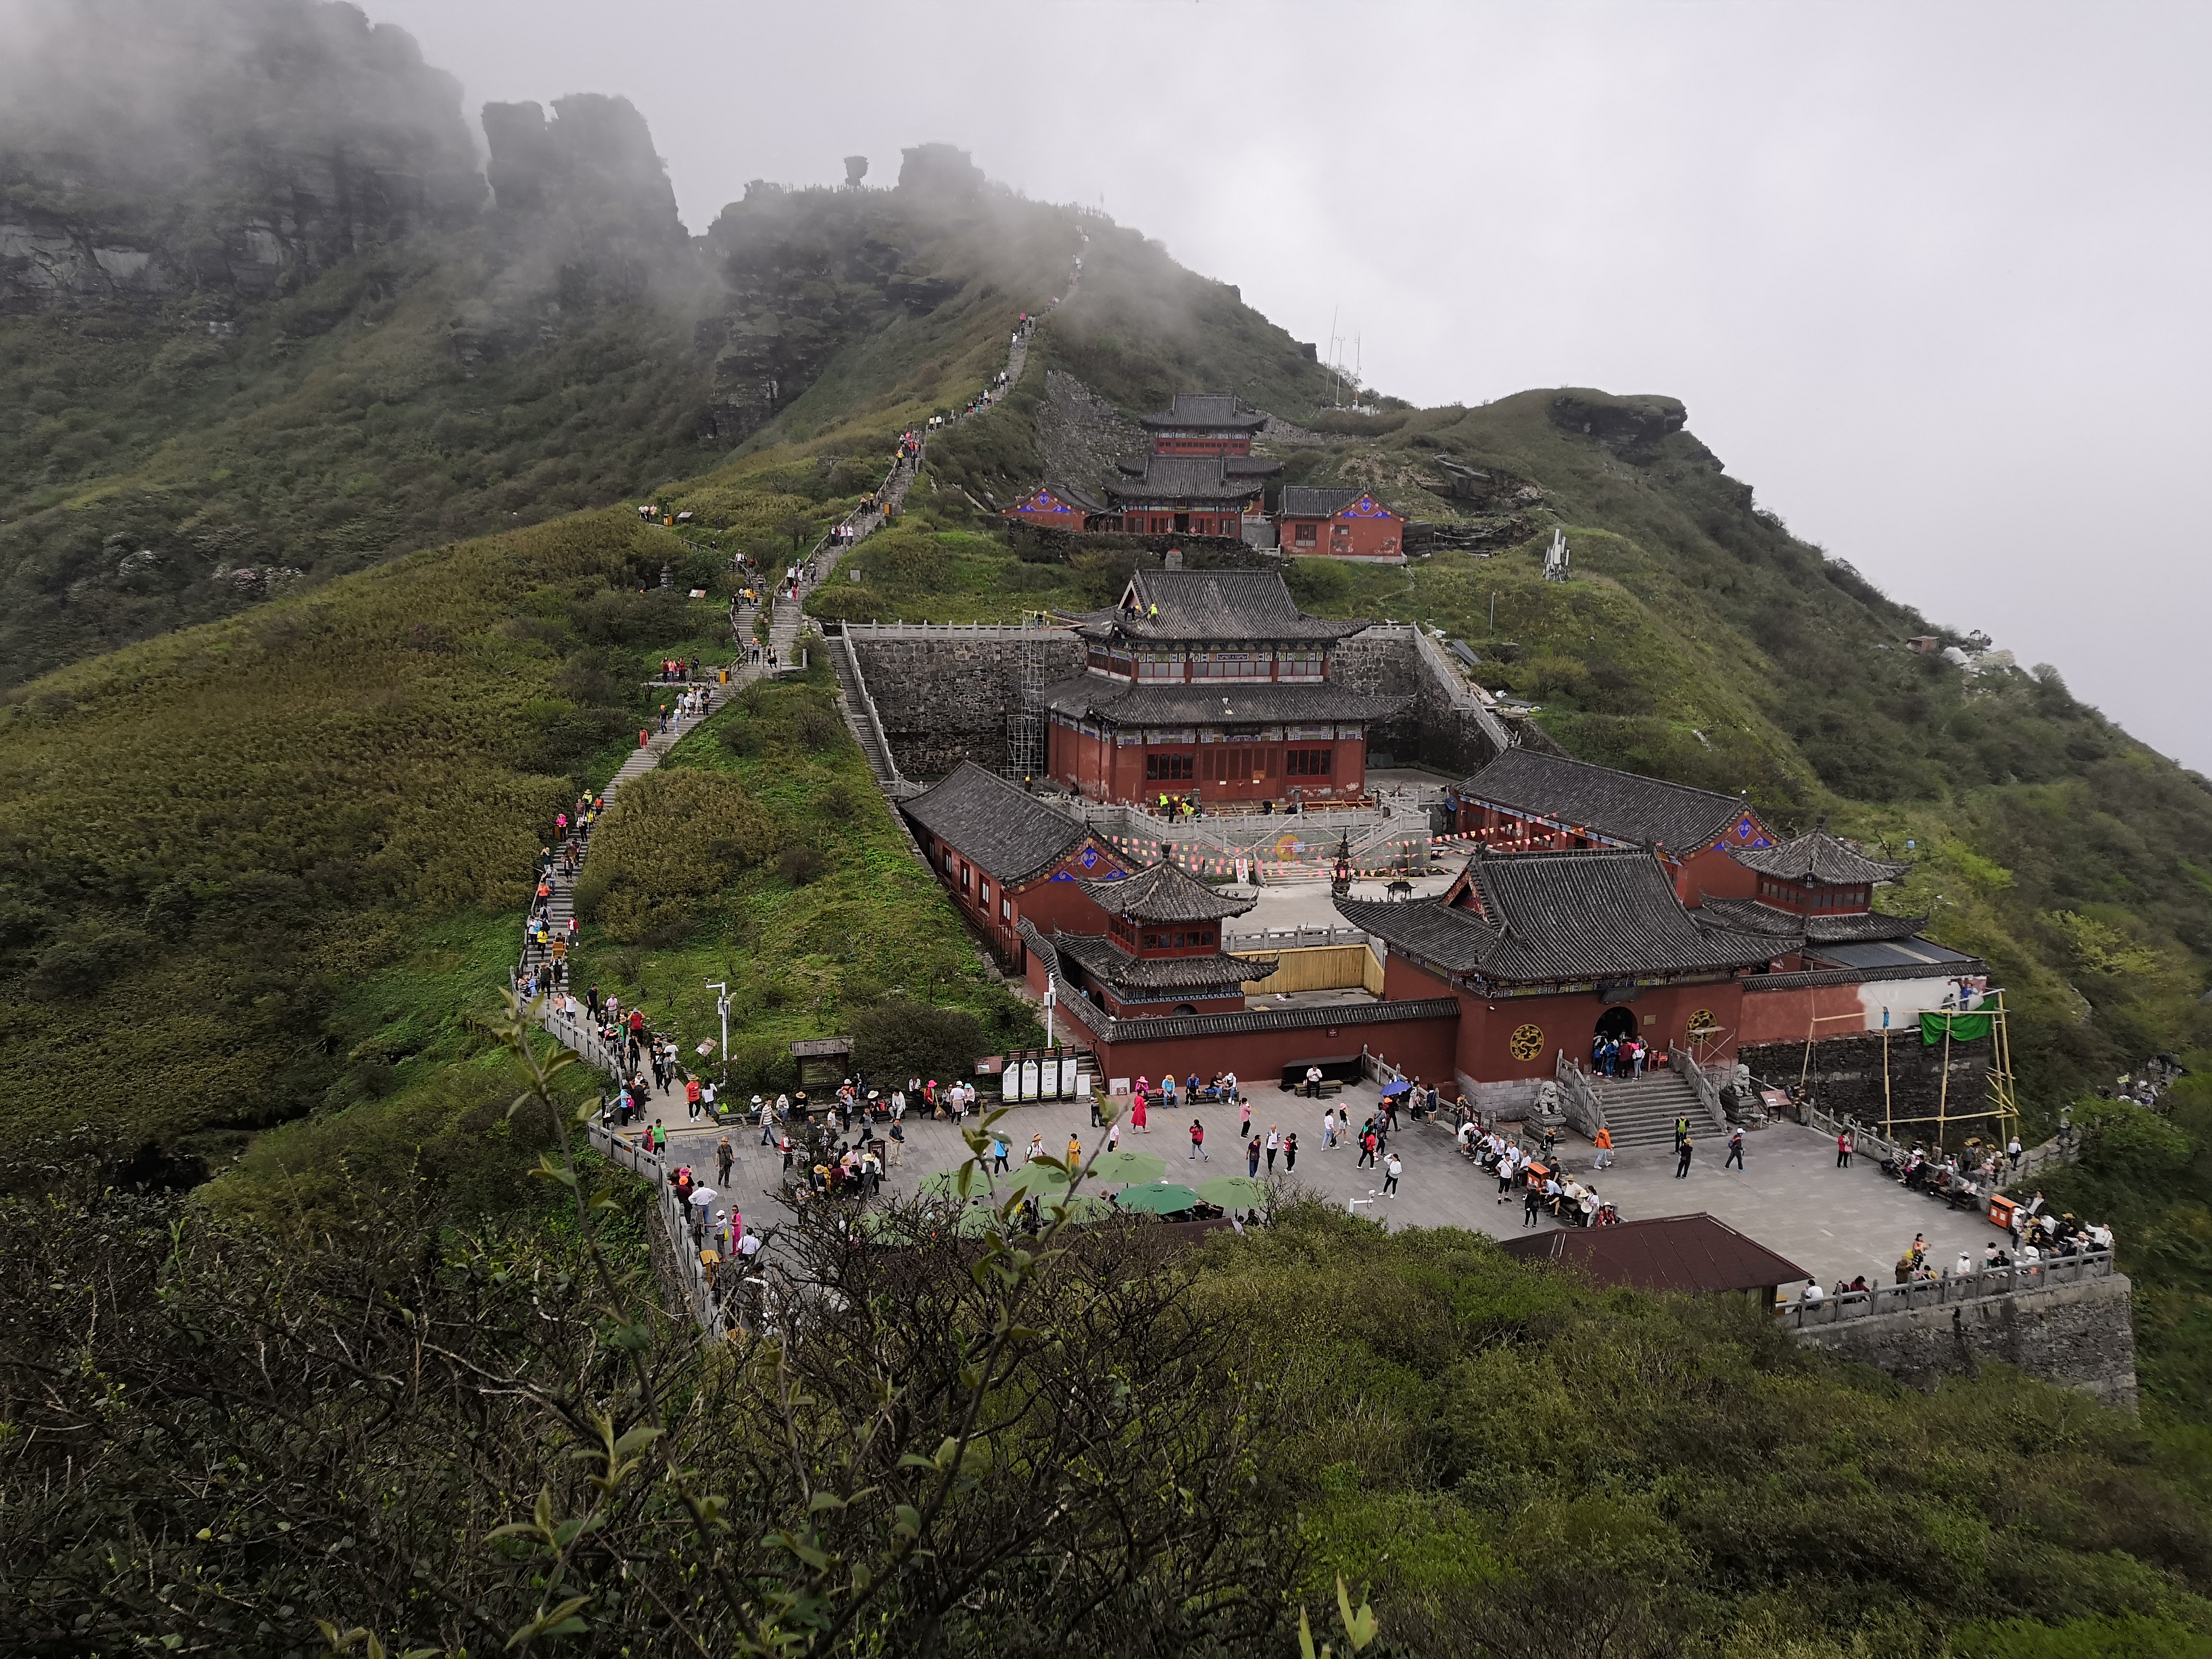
(1210, 685)
(1161, 951)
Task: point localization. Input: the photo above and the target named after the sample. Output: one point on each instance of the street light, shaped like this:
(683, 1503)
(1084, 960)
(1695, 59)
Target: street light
(722, 1007)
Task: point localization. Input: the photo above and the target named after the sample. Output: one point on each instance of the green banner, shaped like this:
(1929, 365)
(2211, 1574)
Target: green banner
(1962, 1028)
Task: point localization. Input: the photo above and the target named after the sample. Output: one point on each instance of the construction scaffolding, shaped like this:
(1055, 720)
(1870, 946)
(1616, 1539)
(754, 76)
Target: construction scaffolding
(1026, 752)
(2003, 1107)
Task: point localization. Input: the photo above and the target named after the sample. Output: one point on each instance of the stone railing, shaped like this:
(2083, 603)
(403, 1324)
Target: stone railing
(907, 630)
(1585, 1111)
(867, 704)
(1463, 700)
(2063, 1149)
(691, 1271)
(1951, 1288)
(1293, 938)
(1686, 1063)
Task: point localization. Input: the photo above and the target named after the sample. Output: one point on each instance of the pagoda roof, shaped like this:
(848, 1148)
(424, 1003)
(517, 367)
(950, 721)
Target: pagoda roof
(1162, 892)
(1621, 807)
(1188, 478)
(1818, 856)
(1103, 959)
(1316, 500)
(1222, 411)
(1752, 916)
(1209, 607)
(1000, 827)
(1215, 703)
(1597, 913)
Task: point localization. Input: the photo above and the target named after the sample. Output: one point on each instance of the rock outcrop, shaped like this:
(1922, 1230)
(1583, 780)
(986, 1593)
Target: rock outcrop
(238, 148)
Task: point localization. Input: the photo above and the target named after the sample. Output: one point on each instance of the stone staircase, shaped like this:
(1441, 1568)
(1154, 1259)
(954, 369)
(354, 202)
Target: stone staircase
(1641, 1111)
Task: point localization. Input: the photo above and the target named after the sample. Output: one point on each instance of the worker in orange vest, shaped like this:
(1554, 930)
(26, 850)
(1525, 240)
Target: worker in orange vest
(1604, 1144)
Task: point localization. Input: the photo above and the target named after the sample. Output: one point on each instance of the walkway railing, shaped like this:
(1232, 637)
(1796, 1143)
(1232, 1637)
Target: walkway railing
(1585, 1111)
(868, 709)
(691, 1272)
(1978, 1285)
(1293, 938)
(1686, 1064)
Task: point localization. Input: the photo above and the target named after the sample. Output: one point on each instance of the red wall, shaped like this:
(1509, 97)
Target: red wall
(1568, 1022)
(1787, 1016)
(1356, 538)
(1418, 1046)
(1714, 873)
(1105, 771)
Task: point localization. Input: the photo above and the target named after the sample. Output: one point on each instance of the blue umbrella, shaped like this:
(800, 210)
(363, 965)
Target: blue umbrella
(1397, 1088)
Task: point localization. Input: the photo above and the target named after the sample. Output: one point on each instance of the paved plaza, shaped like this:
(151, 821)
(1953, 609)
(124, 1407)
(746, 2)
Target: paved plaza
(1790, 1197)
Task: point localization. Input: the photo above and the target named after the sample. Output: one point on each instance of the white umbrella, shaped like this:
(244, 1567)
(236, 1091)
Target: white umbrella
(704, 1196)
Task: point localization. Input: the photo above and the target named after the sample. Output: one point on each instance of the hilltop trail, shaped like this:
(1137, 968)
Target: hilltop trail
(565, 1018)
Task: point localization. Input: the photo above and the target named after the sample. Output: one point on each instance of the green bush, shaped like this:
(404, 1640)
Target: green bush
(671, 841)
(901, 1038)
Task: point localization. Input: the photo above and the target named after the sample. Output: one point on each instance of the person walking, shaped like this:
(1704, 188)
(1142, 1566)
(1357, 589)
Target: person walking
(1245, 1119)
(1604, 1144)
(1532, 1201)
(691, 1100)
(1367, 1140)
(1392, 1169)
(1074, 1152)
(1290, 1152)
(1681, 1132)
(1682, 1156)
(1198, 1142)
(783, 1145)
(1328, 1130)
(725, 1156)
(999, 1150)
(897, 1144)
(1252, 1158)
(1274, 1145)
(1736, 1150)
(1843, 1149)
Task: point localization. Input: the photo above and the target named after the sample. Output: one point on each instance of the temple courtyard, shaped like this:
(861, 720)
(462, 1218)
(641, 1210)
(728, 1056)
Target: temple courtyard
(1790, 1197)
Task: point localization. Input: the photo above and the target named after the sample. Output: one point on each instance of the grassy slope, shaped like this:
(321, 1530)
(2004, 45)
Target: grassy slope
(336, 428)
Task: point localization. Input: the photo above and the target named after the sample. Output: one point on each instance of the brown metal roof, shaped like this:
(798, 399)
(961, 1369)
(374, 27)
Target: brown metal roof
(1692, 1255)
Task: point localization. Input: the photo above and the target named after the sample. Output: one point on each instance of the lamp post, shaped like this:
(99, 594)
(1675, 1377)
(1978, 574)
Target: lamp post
(1051, 998)
(722, 990)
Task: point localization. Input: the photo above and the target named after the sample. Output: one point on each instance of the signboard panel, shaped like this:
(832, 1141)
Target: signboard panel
(1030, 1081)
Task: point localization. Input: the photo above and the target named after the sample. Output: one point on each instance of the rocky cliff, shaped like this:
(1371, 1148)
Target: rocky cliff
(235, 149)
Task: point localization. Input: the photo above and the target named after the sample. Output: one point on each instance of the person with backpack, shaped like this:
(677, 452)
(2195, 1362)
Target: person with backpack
(1198, 1142)
(1736, 1150)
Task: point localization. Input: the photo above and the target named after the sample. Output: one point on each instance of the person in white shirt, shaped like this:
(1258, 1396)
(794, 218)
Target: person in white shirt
(1813, 1292)
(1392, 1169)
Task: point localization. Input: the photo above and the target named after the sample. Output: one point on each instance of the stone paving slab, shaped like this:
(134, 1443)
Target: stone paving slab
(1790, 1197)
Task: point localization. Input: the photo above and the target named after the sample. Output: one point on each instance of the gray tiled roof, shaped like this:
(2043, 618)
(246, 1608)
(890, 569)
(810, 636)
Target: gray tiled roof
(1621, 807)
(1821, 856)
(996, 826)
(1163, 892)
(1216, 703)
(1207, 607)
(1315, 500)
(1182, 478)
(1751, 916)
(1216, 974)
(1215, 408)
(1602, 913)
(1931, 958)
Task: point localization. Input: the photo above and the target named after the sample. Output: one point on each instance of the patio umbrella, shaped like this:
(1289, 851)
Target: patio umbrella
(1162, 1199)
(977, 1220)
(1082, 1209)
(1235, 1193)
(946, 1183)
(1397, 1088)
(1119, 1168)
(1038, 1178)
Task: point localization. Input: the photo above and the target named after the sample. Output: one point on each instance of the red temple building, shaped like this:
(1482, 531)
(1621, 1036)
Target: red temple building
(1337, 523)
(1529, 801)
(1212, 685)
(1005, 856)
(1200, 478)
(1161, 952)
(1059, 506)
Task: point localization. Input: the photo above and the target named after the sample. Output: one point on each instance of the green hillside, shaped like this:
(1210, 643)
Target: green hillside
(321, 590)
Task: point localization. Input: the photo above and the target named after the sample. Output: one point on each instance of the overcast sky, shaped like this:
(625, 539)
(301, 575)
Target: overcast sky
(1931, 278)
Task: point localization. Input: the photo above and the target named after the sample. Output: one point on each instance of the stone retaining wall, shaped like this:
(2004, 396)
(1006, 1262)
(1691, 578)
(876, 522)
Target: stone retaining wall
(2079, 1335)
(1847, 1080)
(1433, 729)
(944, 698)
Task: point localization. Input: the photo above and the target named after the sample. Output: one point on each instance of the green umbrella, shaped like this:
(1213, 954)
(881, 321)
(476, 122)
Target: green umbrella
(1163, 1198)
(946, 1183)
(1235, 1193)
(975, 1221)
(1038, 1178)
(1082, 1209)
(1118, 1168)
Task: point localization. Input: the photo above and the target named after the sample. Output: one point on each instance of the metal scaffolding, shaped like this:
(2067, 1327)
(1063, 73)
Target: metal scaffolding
(1025, 726)
(2004, 1106)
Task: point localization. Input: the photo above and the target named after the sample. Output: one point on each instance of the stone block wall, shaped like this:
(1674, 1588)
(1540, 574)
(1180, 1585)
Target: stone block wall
(1435, 728)
(2080, 1335)
(946, 696)
(1847, 1080)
